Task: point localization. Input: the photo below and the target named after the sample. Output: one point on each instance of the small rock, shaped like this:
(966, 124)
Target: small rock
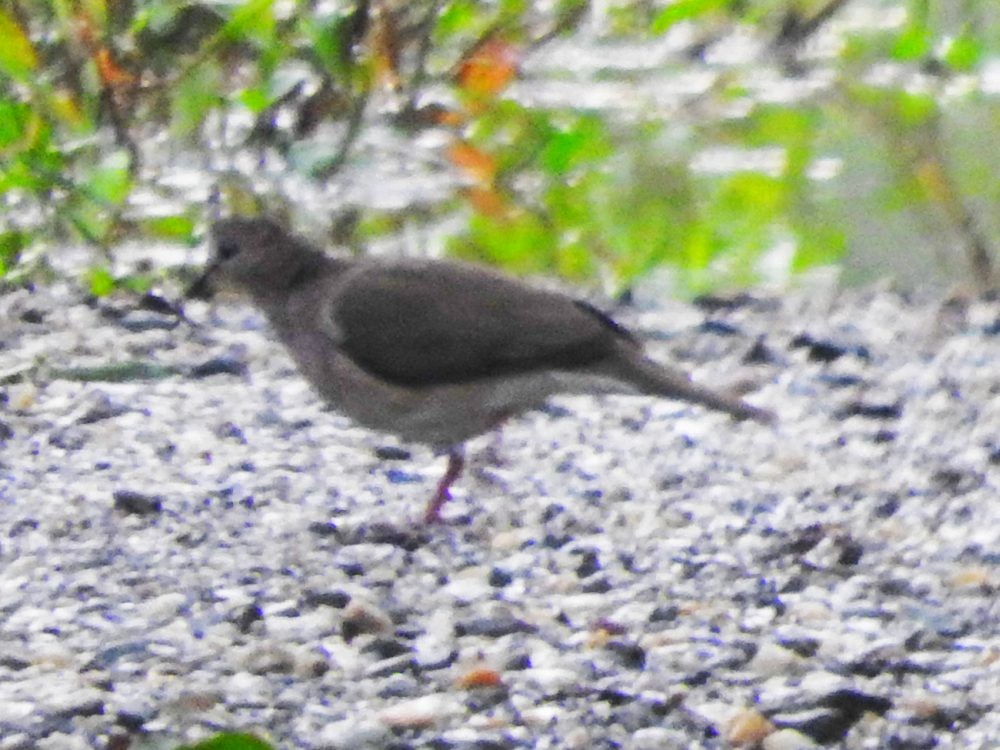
(138, 321)
(222, 365)
(247, 616)
(392, 453)
(136, 503)
(419, 713)
(362, 617)
(748, 727)
(493, 627)
(100, 407)
(787, 739)
(353, 733)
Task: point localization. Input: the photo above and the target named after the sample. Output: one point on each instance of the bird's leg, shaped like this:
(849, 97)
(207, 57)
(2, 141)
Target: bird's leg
(443, 494)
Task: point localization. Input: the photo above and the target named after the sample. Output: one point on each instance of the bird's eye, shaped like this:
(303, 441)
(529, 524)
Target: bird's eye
(227, 250)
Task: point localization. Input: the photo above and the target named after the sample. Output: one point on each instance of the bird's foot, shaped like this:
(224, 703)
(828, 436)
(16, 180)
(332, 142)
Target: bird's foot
(443, 494)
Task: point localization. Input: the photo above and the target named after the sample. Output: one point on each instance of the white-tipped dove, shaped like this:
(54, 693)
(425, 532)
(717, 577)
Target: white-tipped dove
(434, 352)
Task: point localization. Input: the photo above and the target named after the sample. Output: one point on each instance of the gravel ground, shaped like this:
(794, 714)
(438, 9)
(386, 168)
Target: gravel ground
(190, 542)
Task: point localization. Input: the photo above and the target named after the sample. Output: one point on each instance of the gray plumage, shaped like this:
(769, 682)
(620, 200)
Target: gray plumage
(435, 352)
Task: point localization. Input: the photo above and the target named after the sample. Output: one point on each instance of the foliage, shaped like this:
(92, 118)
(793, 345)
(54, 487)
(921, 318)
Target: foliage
(116, 117)
(230, 741)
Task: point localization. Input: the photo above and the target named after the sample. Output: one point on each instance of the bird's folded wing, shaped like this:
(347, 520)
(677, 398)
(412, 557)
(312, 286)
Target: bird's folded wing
(417, 323)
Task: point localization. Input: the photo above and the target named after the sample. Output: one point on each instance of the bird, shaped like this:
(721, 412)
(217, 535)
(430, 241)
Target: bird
(434, 351)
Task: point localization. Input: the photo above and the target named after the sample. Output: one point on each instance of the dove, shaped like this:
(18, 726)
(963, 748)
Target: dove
(434, 351)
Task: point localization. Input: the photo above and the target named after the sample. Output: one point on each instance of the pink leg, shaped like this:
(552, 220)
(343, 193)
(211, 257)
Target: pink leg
(455, 463)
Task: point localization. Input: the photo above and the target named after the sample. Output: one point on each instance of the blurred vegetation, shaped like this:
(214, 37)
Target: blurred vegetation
(230, 741)
(742, 140)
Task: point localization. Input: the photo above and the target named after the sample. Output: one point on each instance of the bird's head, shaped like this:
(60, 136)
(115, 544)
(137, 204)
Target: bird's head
(250, 255)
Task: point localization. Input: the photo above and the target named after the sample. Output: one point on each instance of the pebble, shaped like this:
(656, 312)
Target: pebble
(648, 574)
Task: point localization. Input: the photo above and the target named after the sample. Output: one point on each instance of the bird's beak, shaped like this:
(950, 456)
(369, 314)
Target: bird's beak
(203, 288)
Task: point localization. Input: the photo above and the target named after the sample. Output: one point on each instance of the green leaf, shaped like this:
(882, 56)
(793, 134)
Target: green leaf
(819, 246)
(194, 96)
(585, 142)
(176, 227)
(683, 10)
(110, 183)
(915, 109)
(100, 281)
(457, 17)
(11, 245)
(254, 20)
(17, 55)
(964, 52)
(913, 43)
(11, 122)
(254, 98)
(231, 741)
(139, 284)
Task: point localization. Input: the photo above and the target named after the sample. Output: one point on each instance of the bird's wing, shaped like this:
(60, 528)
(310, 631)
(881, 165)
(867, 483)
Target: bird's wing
(427, 323)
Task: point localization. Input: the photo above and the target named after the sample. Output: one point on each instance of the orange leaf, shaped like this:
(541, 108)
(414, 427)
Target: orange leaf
(85, 32)
(488, 68)
(480, 677)
(473, 161)
(111, 73)
(384, 41)
(488, 202)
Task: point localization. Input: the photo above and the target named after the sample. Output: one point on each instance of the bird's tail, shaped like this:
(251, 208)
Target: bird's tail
(654, 379)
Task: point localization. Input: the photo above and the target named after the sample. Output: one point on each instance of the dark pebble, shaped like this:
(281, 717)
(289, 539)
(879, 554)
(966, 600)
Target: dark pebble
(69, 438)
(631, 655)
(665, 613)
(335, 599)
(398, 476)
(403, 664)
(493, 627)
(353, 569)
(698, 678)
(957, 481)
(805, 646)
(589, 564)
(101, 408)
(850, 551)
(713, 303)
(806, 539)
(32, 315)
(22, 525)
(840, 380)
(598, 586)
(760, 354)
(552, 541)
(386, 648)
(230, 431)
(131, 721)
(129, 501)
(247, 616)
(499, 578)
(88, 708)
(138, 322)
(392, 453)
(887, 507)
(823, 350)
(219, 366)
(323, 528)
(518, 663)
(407, 539)
(13, 663)
(718, 328)
(871, 410)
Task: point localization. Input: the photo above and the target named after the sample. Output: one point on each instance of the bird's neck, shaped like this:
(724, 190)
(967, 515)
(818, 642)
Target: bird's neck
(280, 299)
